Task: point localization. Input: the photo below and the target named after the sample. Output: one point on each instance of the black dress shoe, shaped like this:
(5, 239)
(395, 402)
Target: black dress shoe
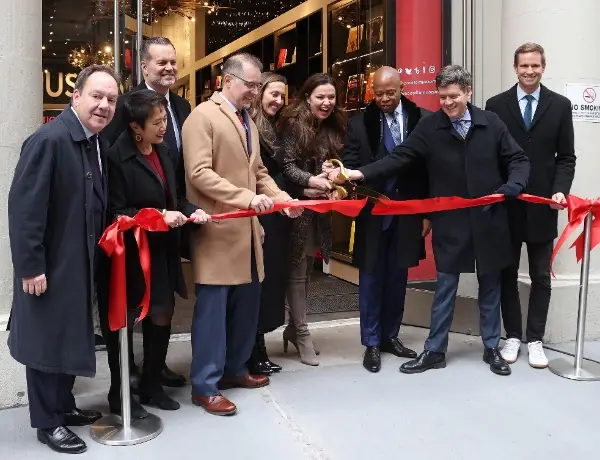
(259, 368)
(497, 363)
(137, 410)
(80, 417)
(395, 347)
(426, 360)
(274, 367)
(171, 379)
(372, 359)
(62, 440)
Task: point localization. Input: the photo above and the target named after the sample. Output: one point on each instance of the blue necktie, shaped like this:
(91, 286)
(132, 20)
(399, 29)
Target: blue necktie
(461, 127)
(395, 129)
(527, 116)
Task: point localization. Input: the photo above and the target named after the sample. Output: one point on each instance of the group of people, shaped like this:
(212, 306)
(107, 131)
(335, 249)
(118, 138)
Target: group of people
(108, 155)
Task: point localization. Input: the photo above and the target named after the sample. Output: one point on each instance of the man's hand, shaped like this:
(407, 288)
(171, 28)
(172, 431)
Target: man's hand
(200, 217)
(261, 203)
(561, 201)
(353, 175)
(293, 212)
(36, 285)
(426, 228)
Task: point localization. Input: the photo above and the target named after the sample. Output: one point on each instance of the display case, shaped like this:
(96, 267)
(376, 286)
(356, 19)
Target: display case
(294, 51)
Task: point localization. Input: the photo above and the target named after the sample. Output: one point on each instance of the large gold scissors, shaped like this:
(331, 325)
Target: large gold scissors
(350, 188)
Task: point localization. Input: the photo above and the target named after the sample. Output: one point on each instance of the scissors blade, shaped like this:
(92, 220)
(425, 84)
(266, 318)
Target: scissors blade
(367, 192)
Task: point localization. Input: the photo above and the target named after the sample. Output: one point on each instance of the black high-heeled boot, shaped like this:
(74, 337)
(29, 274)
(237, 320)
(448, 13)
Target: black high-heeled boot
(151, 390)
(257, 365)
(260, 340)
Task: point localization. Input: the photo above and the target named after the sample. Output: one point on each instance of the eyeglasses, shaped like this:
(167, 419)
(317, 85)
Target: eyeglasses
(249, 84)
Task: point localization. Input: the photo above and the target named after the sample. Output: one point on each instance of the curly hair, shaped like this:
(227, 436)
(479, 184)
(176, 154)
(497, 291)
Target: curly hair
(265, 125)
(314, 139)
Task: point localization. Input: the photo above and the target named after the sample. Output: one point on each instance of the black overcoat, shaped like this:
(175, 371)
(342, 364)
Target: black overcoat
(134, 185)
(181, 109)
(364, 145)
(468, 168)
(276, 254)
(550, 147)
(51, 230)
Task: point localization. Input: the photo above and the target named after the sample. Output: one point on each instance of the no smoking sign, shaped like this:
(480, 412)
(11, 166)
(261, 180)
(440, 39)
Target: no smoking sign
(583, 101)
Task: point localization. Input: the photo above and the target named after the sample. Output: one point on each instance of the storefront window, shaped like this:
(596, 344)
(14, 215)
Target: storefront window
(357, 49)
(231, 19)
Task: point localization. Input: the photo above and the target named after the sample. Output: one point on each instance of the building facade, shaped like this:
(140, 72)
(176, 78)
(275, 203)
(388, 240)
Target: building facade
(348, 38)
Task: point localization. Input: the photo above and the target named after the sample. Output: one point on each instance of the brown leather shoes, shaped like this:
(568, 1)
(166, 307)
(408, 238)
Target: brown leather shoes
(216, 405)
(246, 381)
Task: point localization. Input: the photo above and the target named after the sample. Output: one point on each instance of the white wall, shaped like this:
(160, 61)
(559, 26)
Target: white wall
(21, 70)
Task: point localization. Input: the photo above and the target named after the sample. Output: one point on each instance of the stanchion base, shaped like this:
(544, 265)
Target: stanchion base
(109, 430)
(589, 370)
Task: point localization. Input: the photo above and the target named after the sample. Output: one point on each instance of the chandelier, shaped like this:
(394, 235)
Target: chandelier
(87, 55)
(154, 9)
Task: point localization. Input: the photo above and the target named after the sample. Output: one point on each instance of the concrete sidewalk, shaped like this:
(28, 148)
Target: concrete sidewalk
(339, 411)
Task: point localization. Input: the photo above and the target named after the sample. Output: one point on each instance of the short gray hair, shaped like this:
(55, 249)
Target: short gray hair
(146, 44)
(453, 75)
(234, 65)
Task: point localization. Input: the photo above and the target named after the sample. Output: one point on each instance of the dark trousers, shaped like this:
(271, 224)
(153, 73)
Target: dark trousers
(50, 397)
(442, 310)
(381, 294)
(539, 255)
(223, 332)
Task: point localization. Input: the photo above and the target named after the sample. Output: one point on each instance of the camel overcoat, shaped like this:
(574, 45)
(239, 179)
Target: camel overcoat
(223, 174)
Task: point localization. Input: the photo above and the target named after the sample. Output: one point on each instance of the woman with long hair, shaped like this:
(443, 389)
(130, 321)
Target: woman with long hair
(276, 227)
(311, 131)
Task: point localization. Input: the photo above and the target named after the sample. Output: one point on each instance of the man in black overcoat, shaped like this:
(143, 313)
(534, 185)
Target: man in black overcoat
(159, 68)
(386, 246)
(57, 212)
(541, 122)
(468, 153)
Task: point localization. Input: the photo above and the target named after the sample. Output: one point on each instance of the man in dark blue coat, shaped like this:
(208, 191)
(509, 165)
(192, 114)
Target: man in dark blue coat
(57, 212)
(468, 153)
(385, 247)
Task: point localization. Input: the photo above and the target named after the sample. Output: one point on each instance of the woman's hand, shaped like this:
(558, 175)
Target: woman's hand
(314, 193)
(321, 182)
(200, 217)
(174, 219)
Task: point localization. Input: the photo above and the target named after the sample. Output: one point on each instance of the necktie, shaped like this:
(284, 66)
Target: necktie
(170, 136)
(94, 153)
(461, 127)
(396, 129)
(241, 118)
(527, 115)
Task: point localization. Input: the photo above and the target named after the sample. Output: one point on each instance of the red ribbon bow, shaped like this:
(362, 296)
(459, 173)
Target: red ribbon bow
(114, 246)
(579, 208)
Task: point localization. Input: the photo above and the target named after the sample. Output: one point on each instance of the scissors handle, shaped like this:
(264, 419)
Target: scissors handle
(342, 176)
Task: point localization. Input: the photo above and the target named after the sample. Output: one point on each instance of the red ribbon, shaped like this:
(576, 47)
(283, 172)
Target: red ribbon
(579, 208)
(152, 220)
(114, 246)
(445, 203)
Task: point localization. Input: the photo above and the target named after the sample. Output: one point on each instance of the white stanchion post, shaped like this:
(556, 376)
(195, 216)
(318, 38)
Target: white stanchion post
(580, 368)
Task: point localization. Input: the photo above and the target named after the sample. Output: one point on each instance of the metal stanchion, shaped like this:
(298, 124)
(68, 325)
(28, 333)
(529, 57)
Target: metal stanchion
(580, 369)
(114, 430)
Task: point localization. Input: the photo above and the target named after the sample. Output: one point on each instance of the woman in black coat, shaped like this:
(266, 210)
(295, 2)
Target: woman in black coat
(142, 175)
(276, 227)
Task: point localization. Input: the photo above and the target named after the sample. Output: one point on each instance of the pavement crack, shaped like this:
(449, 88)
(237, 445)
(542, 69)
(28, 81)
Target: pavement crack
(311, 450)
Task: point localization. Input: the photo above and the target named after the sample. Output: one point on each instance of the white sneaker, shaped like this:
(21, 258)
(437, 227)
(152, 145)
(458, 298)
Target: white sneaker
(510, 351)
(537, 357)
